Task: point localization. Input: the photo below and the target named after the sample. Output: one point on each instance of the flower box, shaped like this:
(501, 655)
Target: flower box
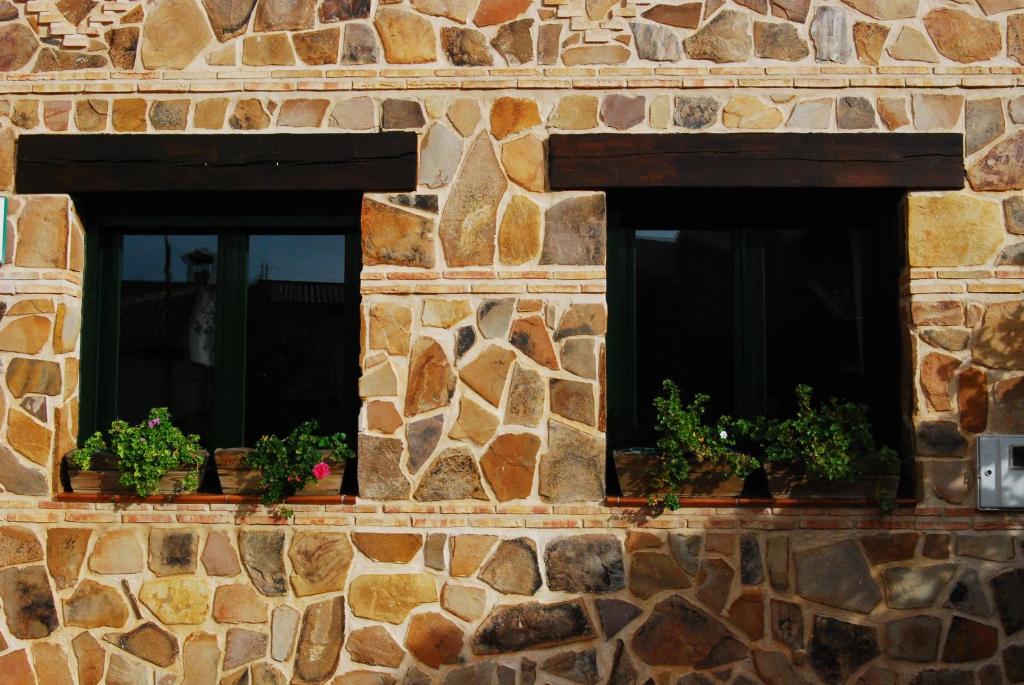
(238, 478)
(104, 477)
(792, 481)
(633, 467)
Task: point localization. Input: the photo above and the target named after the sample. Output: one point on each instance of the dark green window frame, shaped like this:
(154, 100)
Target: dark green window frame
(746, 213)
(101, 305)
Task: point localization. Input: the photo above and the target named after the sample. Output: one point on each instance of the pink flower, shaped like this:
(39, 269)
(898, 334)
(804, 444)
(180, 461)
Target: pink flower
(153, 423)
(321, 470)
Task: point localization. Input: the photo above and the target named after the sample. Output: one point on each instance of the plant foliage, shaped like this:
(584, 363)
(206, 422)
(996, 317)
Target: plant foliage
(146, 452)
(288, 464)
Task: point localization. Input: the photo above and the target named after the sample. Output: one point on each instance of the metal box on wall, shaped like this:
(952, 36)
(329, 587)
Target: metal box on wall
(1001, 472)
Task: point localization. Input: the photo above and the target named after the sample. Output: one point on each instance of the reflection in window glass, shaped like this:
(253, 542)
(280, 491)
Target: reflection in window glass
(167, 329)
(295, 341)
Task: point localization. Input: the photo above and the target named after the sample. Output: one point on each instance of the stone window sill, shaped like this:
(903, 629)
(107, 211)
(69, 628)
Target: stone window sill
(197, 498)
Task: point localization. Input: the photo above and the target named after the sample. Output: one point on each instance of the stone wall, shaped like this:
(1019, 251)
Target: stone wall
(479, 551)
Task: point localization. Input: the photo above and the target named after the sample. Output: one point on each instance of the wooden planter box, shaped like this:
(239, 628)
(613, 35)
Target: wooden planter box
(633, 469)
(237, 478)
(789, 481)
(104, 477)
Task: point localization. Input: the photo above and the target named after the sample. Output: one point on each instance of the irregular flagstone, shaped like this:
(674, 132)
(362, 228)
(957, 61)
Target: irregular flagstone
(622, 111)
(514, 42)
(962, 37)
(512, 569)
(466, 47)
(176, 32)
(317, 48)
(343, 10)
(125, 671)
(453, 475)
(967, 596)
(491, 12)
(474, 423)
(470, 214)
(509, 464)
(526, 400)
(487, 373)
(749, 112)
(532, 625)
(17, 46)
(683, 16)
(177, 600)
(886, 9)
(575, 112)
(265, 674)
(831, 34)
(200, 656)
(579, 667)
(464, 114)
(434, 640)
(869, 40)
(19, 545)
(779, 41)
(574, 231)
(1006, 590)
(530, 336)
(915, 587)
(389, 327)
(480, 673)
(433, 551)
(149, 642)
(573, 468)
(595, 54)
(585, 563)
(468, 603)
(374, 646)
(238, 603)
(578, 357)
(173, 551)
(431, 380)
(26, 334)
(944, 230)
(678, 633)
(493, 317)
(884, 548)
(1001, 168)
(90, 657)
(242, 646)
(615, 614)
(912, 46)
(714, 578)
(440, 153)
(263, 558)
(853, 590)
(383, 417)
(358, 46)
(321, 561)
(93, 605)
(855, 113)
(284, 626)
(998, 342)
(456, 10)
(787, 622)
(838, 648)
(468, 552)
(656, 43)
(379, 381)
(968, 640)
(936, 111)
(984, 122)
(395, 236)
(747, 613)
(319, 649)
(573, 400)
(229, 18)
(726, 38)
(422, 437)
(444, 313)
(65, 553)
(991, 547)
(511, 114)
(523, 159)
(116, 552)
(28, 437)
(394, 548)
(775, 669)
(380, 474)
(283, 15)
(44, 246)
(582, 319)
(390, 597)
(915, 638)
(652, 572)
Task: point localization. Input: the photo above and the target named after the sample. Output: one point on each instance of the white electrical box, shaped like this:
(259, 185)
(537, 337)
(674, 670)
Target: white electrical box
(1001, 471)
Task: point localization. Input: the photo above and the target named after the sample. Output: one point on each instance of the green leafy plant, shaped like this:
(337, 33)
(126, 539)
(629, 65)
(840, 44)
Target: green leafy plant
(686, 439)
(146, 452)
(288, 464)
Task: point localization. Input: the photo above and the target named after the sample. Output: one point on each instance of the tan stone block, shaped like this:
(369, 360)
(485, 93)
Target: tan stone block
(444, 313)
(182, 600)
(389, 327)
(468, 552)
(395, 236)
(318, 47)
(893, 112)
(509, 465)
(393, 548)
(51, 662)
(117, 552)
(407, 38)
(468, 603)
(26, 334)
(464, 114)
(374, 646)
(749, 112)
(953, 229)
(383, 417)
(595, 54)
(475, 423)
(431, 381)
(433, 639)
(91, 114)
(379, 381)
(66, 328)
(390, 597)
(933, 111)
(487, 373)
(239, 603)
(129, 115)
(94, 605)
(575, 113)
(524, 163)
(321, 561)
(510, 115)
(999, 341)
(176, 31)
(249, 115)
(268, 50)
(519, 239)
(963, 37)
(28, 437)
(937, 371)
(210, 113)
(42, 236)
(357, 114)
(6, 158)
(869, 39)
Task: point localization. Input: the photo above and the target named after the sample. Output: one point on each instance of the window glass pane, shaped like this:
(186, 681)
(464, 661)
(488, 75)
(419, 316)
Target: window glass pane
(167, 329)
(684, 327)
(295, 340)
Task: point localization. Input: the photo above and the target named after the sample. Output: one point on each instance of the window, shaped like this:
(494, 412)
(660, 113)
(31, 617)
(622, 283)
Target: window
(239, 333)
(742, 295)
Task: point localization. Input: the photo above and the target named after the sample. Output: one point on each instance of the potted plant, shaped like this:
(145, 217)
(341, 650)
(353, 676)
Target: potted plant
(826, 450)
(302, 463)
(148, 458)
(692, 458)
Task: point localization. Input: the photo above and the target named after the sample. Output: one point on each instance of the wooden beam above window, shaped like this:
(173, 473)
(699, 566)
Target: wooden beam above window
(933, 161)
(219, 162)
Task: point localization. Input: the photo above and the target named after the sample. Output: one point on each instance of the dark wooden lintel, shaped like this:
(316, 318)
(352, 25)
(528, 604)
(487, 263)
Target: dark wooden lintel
(216, 162)
(933, 161)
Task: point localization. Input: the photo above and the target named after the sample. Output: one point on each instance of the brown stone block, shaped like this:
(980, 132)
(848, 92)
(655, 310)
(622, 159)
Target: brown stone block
(129, 115)
(27, 437)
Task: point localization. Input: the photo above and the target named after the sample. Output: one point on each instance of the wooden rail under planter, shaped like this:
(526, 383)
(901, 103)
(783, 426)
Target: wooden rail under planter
(196, 498)
(216, 162)
(932, 161)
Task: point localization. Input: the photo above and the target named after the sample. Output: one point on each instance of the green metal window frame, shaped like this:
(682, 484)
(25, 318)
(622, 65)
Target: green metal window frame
(630, 211)
(101, 319)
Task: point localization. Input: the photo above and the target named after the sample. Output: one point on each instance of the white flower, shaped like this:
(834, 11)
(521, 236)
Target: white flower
(723, 435)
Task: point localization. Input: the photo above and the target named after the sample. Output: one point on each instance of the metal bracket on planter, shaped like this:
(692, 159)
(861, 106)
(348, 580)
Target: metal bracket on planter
(1001, 472)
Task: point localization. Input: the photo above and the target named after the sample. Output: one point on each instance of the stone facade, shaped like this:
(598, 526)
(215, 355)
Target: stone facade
(479, 550)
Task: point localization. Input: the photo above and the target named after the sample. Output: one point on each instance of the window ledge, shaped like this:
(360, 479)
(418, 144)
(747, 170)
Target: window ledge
(197, 498)
(762, 502)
